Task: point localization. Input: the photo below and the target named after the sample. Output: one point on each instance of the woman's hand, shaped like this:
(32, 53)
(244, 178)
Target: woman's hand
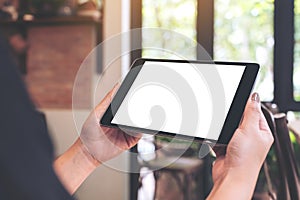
(96, 144)
(104, 143)
(235, 173)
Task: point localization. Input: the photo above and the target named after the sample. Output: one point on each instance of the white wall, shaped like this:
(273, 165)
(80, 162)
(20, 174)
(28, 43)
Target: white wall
(104, 183)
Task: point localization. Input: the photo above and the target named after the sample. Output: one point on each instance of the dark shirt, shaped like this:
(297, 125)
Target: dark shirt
(26, 152)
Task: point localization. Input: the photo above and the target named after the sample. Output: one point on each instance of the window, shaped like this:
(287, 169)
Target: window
(170, 15)
(243, 31)
(257, 31)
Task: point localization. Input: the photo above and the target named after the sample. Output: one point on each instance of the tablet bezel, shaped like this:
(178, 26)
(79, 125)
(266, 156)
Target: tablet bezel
(231, 121)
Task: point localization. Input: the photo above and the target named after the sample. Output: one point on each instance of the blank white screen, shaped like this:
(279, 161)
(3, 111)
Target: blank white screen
(154, 101)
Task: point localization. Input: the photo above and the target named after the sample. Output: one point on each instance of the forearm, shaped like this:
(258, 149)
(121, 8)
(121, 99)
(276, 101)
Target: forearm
(74, 166)
(235, 184)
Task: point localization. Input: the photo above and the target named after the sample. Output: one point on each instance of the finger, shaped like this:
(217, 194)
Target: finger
(114, 90)
(109, 96)
(252, 113)
(103, 105)
(263, 124)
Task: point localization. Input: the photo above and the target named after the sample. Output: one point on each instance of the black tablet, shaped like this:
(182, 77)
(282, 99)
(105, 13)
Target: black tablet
(199, 100)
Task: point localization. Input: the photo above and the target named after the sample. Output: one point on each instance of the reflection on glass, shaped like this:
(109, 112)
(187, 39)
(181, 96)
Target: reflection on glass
(244, 32)
(176, 15)
(296, 77)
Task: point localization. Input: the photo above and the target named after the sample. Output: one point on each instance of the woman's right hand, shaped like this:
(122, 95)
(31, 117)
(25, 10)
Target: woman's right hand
(235, 173)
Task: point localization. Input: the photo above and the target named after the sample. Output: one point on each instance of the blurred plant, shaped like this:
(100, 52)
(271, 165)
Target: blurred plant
(272, 164)
(176, 15)
(244, 31)
(191, 149)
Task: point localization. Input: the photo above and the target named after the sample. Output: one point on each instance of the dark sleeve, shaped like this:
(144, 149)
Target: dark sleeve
(26, 152)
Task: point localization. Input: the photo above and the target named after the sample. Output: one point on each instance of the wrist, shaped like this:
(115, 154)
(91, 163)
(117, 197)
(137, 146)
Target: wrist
(74, 166)
(236, 182)
(86, 154)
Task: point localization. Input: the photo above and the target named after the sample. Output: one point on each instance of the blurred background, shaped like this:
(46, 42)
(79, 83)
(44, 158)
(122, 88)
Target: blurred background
(50, 40)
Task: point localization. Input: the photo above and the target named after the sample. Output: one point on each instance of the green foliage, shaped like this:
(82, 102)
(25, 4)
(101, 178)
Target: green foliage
(297, 153)
(176, 15)
(296, 92)
(296, 147)
(273, 167)
(192, 149)
(244, 32)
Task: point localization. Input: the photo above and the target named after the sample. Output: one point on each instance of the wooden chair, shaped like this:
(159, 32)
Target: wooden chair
(183, 171)
(288, 176)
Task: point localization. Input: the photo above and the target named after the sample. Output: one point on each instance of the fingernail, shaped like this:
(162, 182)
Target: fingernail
(255, 97)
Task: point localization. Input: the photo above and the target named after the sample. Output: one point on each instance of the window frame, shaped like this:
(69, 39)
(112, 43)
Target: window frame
(283, 45)
(284, 56)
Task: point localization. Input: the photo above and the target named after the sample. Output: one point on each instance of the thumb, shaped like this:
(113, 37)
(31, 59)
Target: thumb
(103, 105)
(252, 113)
